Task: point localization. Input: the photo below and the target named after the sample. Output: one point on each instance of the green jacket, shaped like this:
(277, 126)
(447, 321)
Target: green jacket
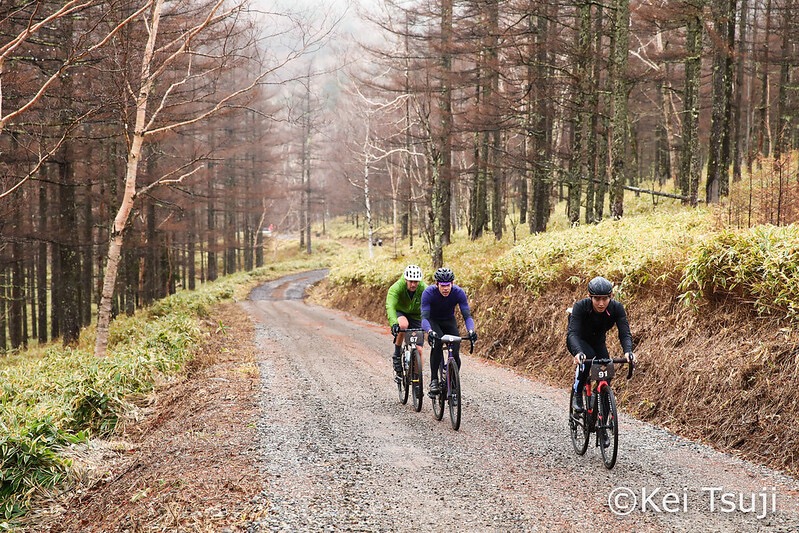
(398, 299)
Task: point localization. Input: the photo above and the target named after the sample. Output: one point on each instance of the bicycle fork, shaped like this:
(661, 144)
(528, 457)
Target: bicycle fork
(409, 361)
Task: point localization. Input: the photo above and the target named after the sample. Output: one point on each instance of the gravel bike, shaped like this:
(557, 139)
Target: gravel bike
(450, 382)
(599, 415)
(411, 368)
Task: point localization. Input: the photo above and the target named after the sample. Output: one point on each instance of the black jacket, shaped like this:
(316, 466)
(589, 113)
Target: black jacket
(589, 328)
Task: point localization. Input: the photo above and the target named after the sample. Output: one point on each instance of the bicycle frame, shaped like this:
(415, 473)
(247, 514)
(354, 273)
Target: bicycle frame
(412, 370)
(599, 414)
(447, 343)
(449, 379)
(602, 373)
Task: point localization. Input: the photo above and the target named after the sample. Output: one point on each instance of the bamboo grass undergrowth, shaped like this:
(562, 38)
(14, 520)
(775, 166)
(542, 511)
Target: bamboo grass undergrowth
(53, 397)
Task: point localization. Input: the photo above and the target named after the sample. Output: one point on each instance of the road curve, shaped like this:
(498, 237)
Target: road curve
(339, 452)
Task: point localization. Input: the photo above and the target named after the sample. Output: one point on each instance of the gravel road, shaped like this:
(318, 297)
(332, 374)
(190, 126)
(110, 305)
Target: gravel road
(340, 453)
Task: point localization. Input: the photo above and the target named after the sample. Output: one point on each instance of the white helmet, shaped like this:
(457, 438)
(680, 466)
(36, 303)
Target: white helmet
(413, 273)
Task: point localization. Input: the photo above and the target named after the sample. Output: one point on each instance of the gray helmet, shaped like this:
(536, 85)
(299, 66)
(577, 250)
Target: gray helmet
(413, 273)
(444, 275)
(600, 286)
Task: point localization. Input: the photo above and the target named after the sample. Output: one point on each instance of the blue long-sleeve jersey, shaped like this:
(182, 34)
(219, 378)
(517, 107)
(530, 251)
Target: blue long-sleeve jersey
(436, 307)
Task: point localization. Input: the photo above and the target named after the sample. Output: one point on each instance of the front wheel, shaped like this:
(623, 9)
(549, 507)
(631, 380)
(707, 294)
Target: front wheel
(416, 379)
(404, 384)
(578, 426)
(608, 431)
(454, 395)
(438, 399)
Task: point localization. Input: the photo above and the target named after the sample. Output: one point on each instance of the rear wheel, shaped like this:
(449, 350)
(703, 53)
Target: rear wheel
(609, 429)
(578, 427)
(454, 394)
(438, 399)
(416, 379)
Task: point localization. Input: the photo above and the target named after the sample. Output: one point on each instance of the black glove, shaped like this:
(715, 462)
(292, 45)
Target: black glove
(395, 329)
(472, 335)
(630, 357)
(431, 338)
(579, 358)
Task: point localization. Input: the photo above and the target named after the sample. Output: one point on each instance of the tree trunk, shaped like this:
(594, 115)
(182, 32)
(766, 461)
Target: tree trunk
(444, 181)
(541, 120)
(131, 172)
(738, 111)
(17, 296)
(619, 125)
(87, 260)
(583, 80)
(718, 157)
(764, 132)
(212, 268)
(41, 267)
(69, 279)
(597, 155)
(784, 113)
(690, 162)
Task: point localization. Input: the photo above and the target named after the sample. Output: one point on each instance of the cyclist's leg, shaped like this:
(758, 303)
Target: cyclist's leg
(436, 354)
(591, 352)
(581, 378)
(397, 356)
(403, 324)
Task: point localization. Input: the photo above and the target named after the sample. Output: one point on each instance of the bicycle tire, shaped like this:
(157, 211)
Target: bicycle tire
(610, 424)
(578, 427)
(438, 399)
(416, 380)
(403, 385)
(454, 395)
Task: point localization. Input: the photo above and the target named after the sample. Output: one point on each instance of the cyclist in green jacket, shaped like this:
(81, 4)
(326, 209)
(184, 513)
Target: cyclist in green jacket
(403, 308)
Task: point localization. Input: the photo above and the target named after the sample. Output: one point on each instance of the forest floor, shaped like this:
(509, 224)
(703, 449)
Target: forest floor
(189, 464)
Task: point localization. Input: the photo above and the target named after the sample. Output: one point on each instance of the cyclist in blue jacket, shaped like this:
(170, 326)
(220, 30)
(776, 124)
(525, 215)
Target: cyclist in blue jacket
(590, 320)
(438, 319)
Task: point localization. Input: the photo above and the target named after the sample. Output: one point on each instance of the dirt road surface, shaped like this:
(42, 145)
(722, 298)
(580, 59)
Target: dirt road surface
(339, 451)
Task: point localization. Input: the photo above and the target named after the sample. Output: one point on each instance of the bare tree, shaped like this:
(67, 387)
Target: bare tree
(159, 58)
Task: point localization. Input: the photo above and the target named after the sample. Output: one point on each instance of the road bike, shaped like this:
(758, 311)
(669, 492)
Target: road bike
(411, 379)
(449, 381)
(599, 415)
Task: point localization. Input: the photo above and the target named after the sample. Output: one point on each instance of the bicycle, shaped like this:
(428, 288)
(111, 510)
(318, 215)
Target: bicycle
(411, 368)
(599, 415)
(450, 382)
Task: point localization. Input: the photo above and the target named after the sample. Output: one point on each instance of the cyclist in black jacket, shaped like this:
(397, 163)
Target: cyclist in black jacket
(590, 320)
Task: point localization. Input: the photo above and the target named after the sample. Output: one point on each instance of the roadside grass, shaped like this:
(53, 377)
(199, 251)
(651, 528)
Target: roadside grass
(630, 251)
(689, 248)
(52, 396)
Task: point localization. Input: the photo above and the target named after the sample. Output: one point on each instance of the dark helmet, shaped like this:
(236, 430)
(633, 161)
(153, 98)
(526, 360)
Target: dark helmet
(599, 286)
(444, 275)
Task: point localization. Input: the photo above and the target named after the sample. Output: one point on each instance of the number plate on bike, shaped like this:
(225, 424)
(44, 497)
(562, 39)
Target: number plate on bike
(415, 337)
(602, 372)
